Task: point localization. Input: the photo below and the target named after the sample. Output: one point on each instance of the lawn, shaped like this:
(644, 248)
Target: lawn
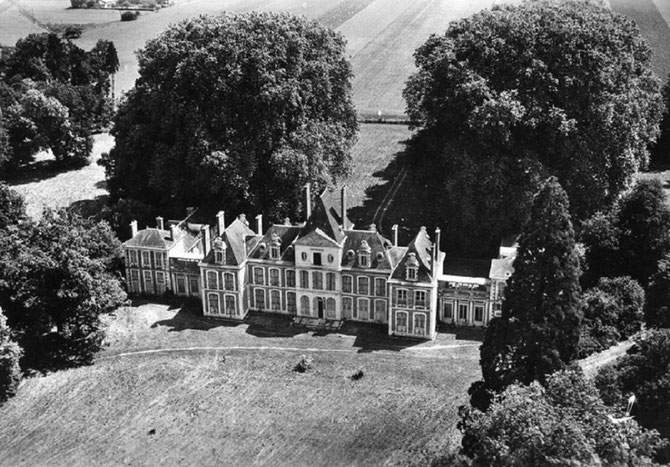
(237, 406)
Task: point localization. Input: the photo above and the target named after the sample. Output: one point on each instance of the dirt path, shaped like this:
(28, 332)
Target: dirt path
(593, 363)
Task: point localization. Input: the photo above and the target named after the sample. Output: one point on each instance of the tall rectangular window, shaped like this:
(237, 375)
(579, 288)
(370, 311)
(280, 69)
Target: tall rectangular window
(275, 300)
(363, 308)
(274, 277)
(330, 281)
(401, 321)
(347, 284)
(401, 297)
(212, 282)
(463, 311)
(317, 280)
(420, 324)
(259, 276)
(290, 302)
(290, 278)
(479, 312)
(229, 279)
(158, 259)
(304, 280)
(146, 259)
(347, 307)
(380, 287)
(132, 254)
(363, 285)
(447, 310)
(380, 310)
(317, 259)
(420, 299)
(230, 305)
(259, 299)
(213, 303)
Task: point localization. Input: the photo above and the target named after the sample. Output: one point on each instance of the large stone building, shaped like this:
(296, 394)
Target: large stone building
(323, 268)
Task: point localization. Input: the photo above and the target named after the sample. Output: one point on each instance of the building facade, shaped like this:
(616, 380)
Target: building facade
(322, 268)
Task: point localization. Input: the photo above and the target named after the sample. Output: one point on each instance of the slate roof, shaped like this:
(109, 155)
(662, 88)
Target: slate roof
(380, 247)
(422, 246)
(235, 237)
(466, 267)
(326, 217)
(286, 234)
(150, 238)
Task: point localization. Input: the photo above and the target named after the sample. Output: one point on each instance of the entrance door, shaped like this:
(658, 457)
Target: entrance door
(194, 286)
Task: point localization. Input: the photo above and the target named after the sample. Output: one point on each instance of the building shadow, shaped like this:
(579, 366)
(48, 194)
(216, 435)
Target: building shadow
(463, 333)
(260, 324)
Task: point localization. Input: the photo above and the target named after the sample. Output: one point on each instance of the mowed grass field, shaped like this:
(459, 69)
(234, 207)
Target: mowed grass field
(235, 406)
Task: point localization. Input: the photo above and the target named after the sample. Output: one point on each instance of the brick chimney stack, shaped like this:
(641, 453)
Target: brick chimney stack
(220, 222)
(206, 240)
(133, 229)
(259, 224)
(343, 207)
(395, 234)
(160, 225)
(308, 201)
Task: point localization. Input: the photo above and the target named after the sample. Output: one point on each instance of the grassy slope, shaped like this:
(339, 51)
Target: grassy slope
(250, 409)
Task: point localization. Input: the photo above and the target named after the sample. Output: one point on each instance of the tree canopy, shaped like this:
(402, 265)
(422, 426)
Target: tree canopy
(538, 332)
(563, 423)
(55, 283)
(516, 93)
(10, 353)
(235, 112)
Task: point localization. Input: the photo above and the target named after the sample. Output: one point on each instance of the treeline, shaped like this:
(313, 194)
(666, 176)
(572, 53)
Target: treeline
(53, 95)
(58, 276)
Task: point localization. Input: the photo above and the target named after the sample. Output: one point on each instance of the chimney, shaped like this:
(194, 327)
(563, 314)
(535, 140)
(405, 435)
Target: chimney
(343, 206)
(259, 224)
(133, 228)
(373, 227)
(243, 219)
(308, 199)
(159, 223)
(220, 222)
(173, 232)
(206, 240)
(395, 234)
(438, 233)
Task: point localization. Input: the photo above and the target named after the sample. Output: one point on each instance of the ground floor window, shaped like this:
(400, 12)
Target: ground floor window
(347, 307)
(401, 321)
(213, 303)
(230, 305)
(447, 310)
(363, 308)
(420, 324)
(275, 300)
(463, 311)
(259, 299)
(304, 306)
(497, 309)
(380, 311)
(181, 285)
(330, 308)
(148, 282)
(160, 282)
(194, 286)
(290, 302)
(479, 312)
(135, 281)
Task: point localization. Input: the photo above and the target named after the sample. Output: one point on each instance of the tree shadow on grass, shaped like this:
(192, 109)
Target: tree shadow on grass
(90, 207)
(190, 316)
(38, 171)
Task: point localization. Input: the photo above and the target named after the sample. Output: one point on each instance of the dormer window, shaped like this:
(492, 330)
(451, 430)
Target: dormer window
(219, 251)
(364, 255)
(412, 268)
(275, 246)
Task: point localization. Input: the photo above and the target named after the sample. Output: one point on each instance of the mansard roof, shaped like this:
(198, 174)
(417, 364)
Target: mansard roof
(151, 238)
(380, 257)
(422, 247)
(285, 233)
(235, 236)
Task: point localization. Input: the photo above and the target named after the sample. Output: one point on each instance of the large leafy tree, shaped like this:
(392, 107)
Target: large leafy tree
(563, 423)
(12, 207)
(55, 284)
(514, 94)
(632, 238)
(645, 372)
(538, 332)
(235, 111)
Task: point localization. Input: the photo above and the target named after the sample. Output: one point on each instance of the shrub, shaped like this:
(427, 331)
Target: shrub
(10, 353)
(358, 375)
(304, 364)
(129, 15)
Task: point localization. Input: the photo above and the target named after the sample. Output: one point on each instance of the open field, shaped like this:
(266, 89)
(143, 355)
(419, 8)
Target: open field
(43, 187)
(237, 406)
(382, 34)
